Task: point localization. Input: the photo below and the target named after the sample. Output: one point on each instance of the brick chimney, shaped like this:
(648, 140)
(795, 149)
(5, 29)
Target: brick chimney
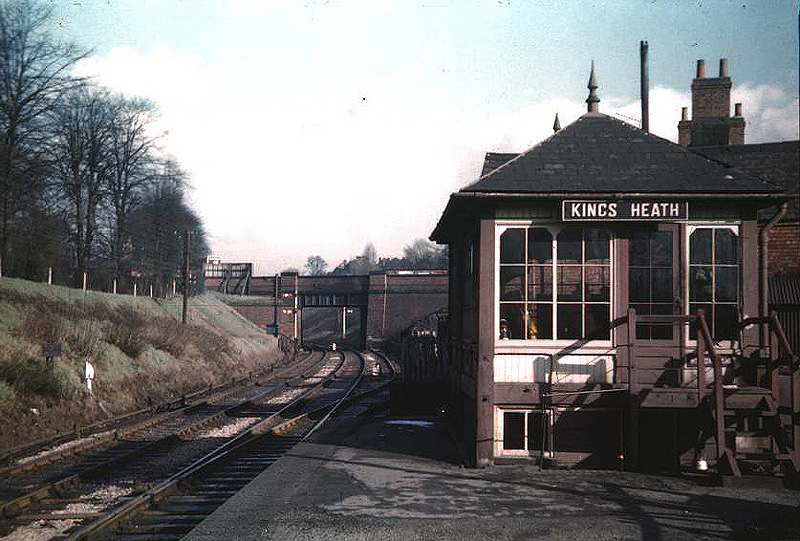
(711, 123)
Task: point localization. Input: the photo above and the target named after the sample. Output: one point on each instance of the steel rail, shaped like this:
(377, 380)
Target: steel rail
(271, 426)
(14, 507)
(99, 433)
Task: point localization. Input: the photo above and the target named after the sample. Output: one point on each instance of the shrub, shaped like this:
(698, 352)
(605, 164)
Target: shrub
(6, 392)
(168, 335)
(82, 335)
(129, 341)
(42, 326)
(28, 375)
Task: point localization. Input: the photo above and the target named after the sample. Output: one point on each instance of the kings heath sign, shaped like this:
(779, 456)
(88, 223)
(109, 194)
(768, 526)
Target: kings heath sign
(624, 210)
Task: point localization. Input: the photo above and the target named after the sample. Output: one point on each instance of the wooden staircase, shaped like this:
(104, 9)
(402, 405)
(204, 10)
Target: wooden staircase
(756, 430)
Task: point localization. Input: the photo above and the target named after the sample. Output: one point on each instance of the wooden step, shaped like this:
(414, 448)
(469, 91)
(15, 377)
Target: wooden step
(750, 455)
(749, 398)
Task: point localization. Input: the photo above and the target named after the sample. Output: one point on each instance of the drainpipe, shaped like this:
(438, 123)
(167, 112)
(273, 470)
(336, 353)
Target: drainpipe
(763, 264)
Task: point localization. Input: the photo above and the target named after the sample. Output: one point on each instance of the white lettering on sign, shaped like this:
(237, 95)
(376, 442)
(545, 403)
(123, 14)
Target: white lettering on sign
(593, 210)
(655, 210)
(625, 209)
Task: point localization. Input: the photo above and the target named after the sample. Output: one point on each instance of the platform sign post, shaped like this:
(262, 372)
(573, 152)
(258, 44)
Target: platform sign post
(50, 350)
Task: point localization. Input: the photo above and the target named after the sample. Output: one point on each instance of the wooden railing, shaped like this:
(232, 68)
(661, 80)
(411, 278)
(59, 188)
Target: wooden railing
(779, 354)
(705, 344)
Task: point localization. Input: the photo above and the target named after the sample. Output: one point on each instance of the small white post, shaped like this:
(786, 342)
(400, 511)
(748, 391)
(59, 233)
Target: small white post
(89, 376)
(174, 288)
(134, 289)
(49, 275)
(84, 281)
(151, 291)
(1, 267)
(115, 286)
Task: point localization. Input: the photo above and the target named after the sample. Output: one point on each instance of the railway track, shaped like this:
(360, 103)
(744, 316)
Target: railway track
(23, 487)
(57, 448)
(159, 496)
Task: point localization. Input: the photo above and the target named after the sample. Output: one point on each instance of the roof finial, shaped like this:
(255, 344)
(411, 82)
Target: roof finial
(592, 100)
(556, 125)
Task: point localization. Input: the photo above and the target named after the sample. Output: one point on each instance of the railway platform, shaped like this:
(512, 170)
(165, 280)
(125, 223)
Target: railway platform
(384, 478)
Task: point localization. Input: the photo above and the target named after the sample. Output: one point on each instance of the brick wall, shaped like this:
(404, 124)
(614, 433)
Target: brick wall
(784, 249)
(711, 97)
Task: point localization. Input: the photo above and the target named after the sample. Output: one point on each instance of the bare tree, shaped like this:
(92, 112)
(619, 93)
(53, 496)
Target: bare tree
(131, 165)
(316, 265)
(370, 256)
(80, 149)
(34, 74)
(422, 254)
(152, 240)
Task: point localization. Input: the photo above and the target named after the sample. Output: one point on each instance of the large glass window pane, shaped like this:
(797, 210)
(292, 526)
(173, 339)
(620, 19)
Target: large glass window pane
(726, 284)
(513, 430)
(540, 321)
(535, 430)
(597, 246)
(662, 285)
(726, 247)
(661, 249)
(512, 246)
(569, 321)
(700, 283)
(639, 249)
(569, 243)
(512, 280)
(639, 285)
(512, 321)
(597, 321)
(540, 245)
(569, 283)
(598, 287)
(540, 282)
(726, 319)
(700, 246)
(651, 282)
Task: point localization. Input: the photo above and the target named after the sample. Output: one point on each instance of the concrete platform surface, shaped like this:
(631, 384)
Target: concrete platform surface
(384, 478)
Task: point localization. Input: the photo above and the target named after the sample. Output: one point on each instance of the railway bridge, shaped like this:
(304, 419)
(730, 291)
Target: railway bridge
(350, 310)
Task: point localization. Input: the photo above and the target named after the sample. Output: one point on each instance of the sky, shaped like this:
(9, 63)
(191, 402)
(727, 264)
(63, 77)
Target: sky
(315, 127)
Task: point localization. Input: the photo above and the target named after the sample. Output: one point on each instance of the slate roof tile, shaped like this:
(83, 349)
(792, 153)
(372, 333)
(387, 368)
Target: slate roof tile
(601, 154)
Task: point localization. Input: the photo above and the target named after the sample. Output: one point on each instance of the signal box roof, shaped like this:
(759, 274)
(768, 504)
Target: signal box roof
(601, 155)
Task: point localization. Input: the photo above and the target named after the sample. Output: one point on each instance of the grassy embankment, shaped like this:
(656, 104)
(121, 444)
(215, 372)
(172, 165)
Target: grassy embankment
(141, 352)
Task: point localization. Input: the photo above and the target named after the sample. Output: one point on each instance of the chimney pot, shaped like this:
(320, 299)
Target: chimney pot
(737, 109)
(723, 67)
(701, 69)
(684, 113)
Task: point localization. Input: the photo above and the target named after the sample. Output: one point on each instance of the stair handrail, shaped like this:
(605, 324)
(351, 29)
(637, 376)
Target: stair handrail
(780, 333)
(706, 344)
(794, 383)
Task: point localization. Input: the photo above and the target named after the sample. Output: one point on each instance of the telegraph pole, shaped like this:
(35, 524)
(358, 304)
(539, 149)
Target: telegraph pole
(185, 274)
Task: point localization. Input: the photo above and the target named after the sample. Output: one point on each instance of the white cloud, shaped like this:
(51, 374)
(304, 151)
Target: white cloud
(769, 112)
(319, 163)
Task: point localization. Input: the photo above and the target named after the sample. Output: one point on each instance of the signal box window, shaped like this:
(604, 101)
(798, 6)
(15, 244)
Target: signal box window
(554, 284)
(651, 280)
(714, 261)
(522, 431)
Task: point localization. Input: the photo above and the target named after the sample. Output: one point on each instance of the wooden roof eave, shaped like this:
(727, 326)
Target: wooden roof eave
(771, 197)
(461, 202)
